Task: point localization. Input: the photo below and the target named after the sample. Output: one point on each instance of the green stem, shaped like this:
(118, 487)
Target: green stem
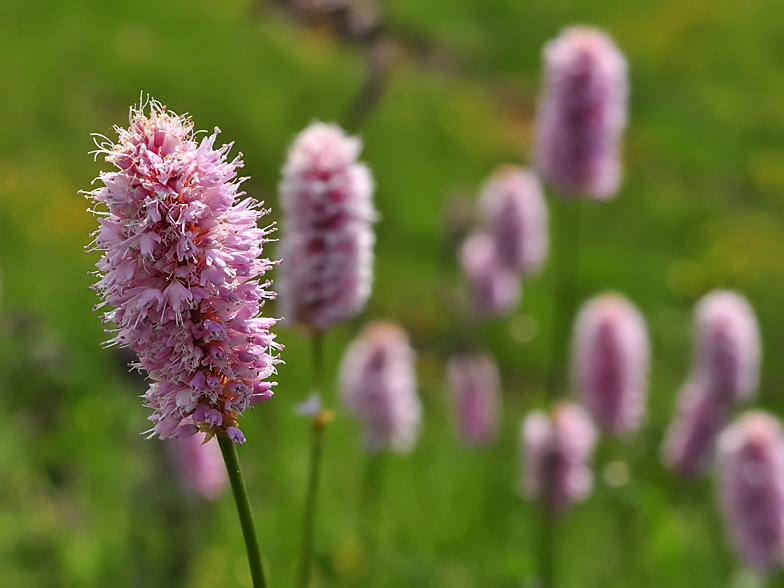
(547, 553)
(369, 509)
(306, 553)
(566, 264)
(231, 458)
(566, 269)
(316, 441)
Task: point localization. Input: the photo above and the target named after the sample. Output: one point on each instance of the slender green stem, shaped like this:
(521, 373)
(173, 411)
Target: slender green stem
(566, 264)
(369, 509)
(316, 441)
(566, 268)
(547, 550)
(306, 552)
(231, 458)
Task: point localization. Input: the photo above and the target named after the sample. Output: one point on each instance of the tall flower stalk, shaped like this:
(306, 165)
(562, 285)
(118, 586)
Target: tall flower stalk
(378, 385)
(181, 268)
(327, 242)
(580, 120)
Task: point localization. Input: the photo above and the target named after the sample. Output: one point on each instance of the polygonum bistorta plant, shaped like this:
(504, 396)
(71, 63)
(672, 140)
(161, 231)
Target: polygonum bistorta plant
(181, 268)
(751, 486)
(515, 211)
(327, 198)
(582, 113)
(610, 361)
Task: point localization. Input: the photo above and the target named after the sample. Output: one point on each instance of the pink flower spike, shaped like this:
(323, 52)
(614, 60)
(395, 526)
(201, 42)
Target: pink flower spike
(328, 238)
(610, 358)
(727, 345)
(181, 266)
(582, 114)
(515, 213)
(691, 439)
(474, 381)
(494, 290)
(557, 449)
(199, 466)
(378, 385)
(751, 484)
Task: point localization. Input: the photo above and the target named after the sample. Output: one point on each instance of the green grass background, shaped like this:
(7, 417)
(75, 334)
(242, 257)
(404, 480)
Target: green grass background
(86, 502)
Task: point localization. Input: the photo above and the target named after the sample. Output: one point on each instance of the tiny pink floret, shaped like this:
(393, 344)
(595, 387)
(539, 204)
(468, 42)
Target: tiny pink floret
(181, 268)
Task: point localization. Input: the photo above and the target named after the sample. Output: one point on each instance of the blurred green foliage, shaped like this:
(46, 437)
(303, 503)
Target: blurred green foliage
(86, 502)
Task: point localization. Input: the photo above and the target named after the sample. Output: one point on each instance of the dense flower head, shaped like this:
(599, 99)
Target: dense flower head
(690, 441)
(751, 469)
(557, 449)
(727, 344)
(582, 113)
(181, 268)
(610, 359)
(474, 381)
(493, 288)
(199, 465)
(327, 241)
(515, 212)
(378, 385)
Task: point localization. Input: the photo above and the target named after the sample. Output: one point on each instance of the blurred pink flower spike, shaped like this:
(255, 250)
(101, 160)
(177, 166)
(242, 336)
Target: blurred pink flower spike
(327, 240)
(515, 212)
(751, 484)
(474, 381)
(727, 341)
(181, 266)
(610, 361)
(725, 372)
(378, 385)
(493, 289)
(582, 114)
(557, 450)
(199, 466)
(691, 439)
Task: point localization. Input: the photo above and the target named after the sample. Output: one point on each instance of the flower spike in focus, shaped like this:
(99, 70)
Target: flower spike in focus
(182, 269)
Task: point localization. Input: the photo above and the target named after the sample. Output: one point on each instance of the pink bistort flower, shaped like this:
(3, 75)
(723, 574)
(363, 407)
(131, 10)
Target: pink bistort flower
(181, 268)
(328, 238)
(751, 470)
(727, 342)
(474, 381)
(582, 113)
(691, 438)
(493, 289)
(610, 358)
(557, 449)
(378, 385)
(515, 212)
(199, 466)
